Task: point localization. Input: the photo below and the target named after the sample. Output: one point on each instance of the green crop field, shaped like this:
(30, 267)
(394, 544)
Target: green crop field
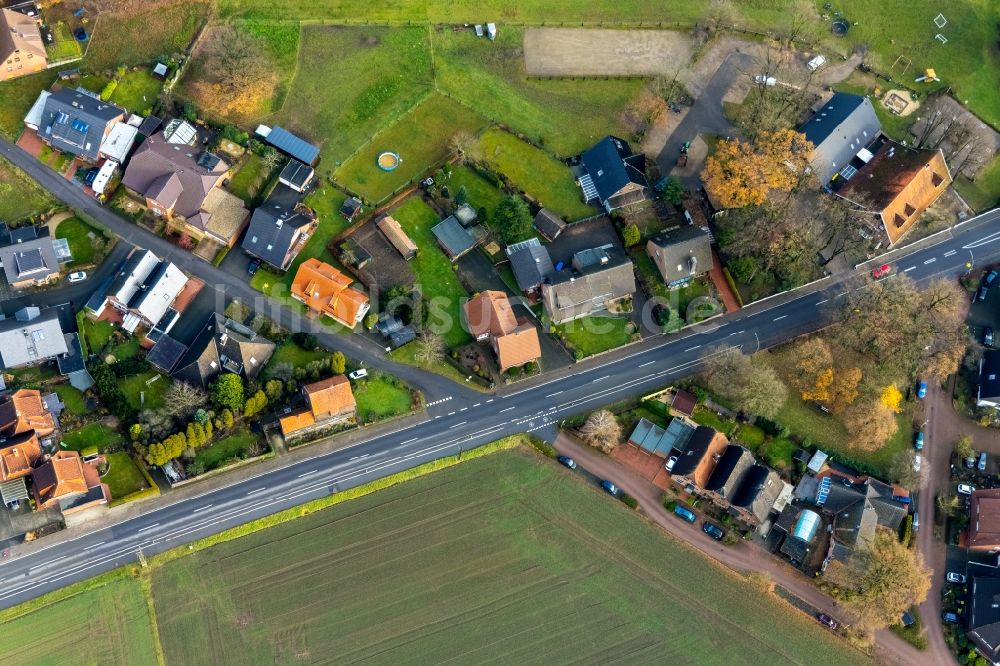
(506, 558)
(105, 625)
(421, 137)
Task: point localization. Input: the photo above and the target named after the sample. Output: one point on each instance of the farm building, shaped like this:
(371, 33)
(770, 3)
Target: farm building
(290, 144)
(395, 234)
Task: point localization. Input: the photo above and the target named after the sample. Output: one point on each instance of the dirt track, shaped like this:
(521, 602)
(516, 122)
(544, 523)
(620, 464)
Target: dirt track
(586, 52)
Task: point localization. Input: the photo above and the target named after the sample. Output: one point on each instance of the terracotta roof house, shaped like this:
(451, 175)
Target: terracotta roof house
(31, 336)
(28, 256)
(613, 176)
(64, 480)
(21, 48)
(395, 234)
(984, 617)
(681, 254)
(597, 279)
(77, 122)
(327, 291)
(696, 463)
(548, 224)
(489, 316)
(181, 181)
(838, 131)
(895, 183)
(531, 264)
(330, 401)
(984, 521)
(25, 411)
(18, 455)
(279, 228)
(222, 346)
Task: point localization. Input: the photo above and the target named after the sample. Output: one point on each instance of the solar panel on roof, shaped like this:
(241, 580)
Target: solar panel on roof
(80, 126)
(824, 491)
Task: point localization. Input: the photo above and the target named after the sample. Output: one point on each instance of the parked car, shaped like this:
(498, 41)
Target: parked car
(816, 63)
(902, 499)
(983, 292)
(917, 460)
(919, 443)
(950, 618)
(827, 620)
(988, 336)
(360, 373)
(921, 389)
(567, 461)
(713, 531)
(981, 465)
(965, 489)
(671, 461)
(79, 276)
(881, 271)
(253, 266)
(685, 513)
(955, 577)
(990, 278)
(609, 487)
(765, 79)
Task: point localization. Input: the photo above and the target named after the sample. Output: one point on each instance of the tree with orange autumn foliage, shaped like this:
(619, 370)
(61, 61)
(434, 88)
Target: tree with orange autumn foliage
(740, 174)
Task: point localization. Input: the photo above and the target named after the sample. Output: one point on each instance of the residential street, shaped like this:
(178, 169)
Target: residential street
(744, 558)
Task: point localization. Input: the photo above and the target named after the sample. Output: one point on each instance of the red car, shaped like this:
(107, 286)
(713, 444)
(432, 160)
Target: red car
(881, 271)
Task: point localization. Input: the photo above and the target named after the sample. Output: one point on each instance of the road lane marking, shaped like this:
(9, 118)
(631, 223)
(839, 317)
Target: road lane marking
(647, 363)
(359, 457)
(489, 401)
(907, 270)
(950, 252)
(692, 348)
(258, 490)
(477, 404)
(451, 413)
(457, 424)
(779, 318)
(99, 543)
(148, 527)
(930, 261)
(505, 410)
(463, 409)
(553, 394)
(600, 379)
(310, 473)
(823, 301)
(411, 440)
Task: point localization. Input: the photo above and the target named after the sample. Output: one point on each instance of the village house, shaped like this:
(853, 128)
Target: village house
(64, 480)
(279, 228)
(222, 346)
(612, 176)
(681, 254)
(490, 317)
(24, 411)
(696, 463)
(838, 131)
(142, 291)
(531, 264)
(22, 51)
(330, 402)
(327, 291)
(75, 121)
(596, 280)
(31, 336)
(984, 521)
(28, 256)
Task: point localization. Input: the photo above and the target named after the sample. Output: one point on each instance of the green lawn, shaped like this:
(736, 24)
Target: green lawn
(379, 398)
(64, 44)
(289, 352)
(481, 192)
(985, 192)
(133, 37)
(575, 577)
(135, 385)
(252, 175)
(592, 335)
(97, 334)
(421, 137)
(20, 196)
(137, 91)
(66, 631)
(123, 476)
(435, 274)
(371, 75)
(79, 235)
(18, 96)
(566, 115)
(534, 171)
(75, 402)
(92, 434)
(127, 349)
(224, 449)
(405, 354)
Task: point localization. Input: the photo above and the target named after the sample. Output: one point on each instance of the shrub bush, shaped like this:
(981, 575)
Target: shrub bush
(629, 501)
(669, 504)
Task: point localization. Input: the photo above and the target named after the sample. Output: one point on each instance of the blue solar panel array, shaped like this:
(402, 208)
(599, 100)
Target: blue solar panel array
(292, 145)
(824, 491)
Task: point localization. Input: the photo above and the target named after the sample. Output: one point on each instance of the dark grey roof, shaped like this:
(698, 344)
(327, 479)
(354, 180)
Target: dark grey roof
(293, 145)
(548, 223)
(984, 615)
(296, 174)
(149, 125)
(531, 265)
(611, 165)
(453, 237)
(75, 121)
(350, 208)
(72, 360)
(388, 324)
(681, 253)
(223, 345)
(696, 448)
(989, 376)
(274, 228)
(402, 336)
(165, 354)
(838, 130)
(27, 253)
(729, 470)
(757, 493)
(589, 284)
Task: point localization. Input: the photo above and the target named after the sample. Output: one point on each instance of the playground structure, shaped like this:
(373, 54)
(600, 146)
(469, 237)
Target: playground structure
(388, 161)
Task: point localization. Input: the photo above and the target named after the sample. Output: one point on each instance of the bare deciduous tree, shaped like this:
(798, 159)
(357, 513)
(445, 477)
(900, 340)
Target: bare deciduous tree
(429, 348)
(182, 399)
(601, 430)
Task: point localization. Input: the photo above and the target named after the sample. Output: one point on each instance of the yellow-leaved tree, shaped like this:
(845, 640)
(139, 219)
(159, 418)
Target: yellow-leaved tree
(740, 174)
(892, 399)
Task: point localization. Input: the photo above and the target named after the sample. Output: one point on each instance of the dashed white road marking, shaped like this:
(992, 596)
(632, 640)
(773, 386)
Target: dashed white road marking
(907, 270)
(779, 318)
(930, 261)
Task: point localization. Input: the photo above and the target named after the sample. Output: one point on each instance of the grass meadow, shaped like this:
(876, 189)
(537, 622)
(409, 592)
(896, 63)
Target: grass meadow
(378, 397)
(592, 335)
(109, 624)
(505, 558)
(133, 37)
(79, 234)
(20, 196)
(123, 476)
(18, 95)
(137, 91)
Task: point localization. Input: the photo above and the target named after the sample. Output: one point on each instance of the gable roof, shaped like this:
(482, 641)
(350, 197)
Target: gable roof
(27, 254)
(577, 291)
(759, 490)
(531, 264)
(296, 175)
(489, 313)
(330, 397)
(518, 347)
(20, 33)
(156, 292)
(222, 344)
(989, 376)
(275, 227)
(729, 470)
(984, 519)
(325, 289)
(681, 253)
(612, 165)
(75, 121)
(838, 130)
(176, 174)
(453, 237)
(984, 616)
(24, 342)
(548, 224)
(389, 226)
(697, 448)
(683, 402)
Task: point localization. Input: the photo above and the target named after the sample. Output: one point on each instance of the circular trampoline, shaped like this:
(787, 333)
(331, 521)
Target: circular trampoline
(840, 27)
(388, 161)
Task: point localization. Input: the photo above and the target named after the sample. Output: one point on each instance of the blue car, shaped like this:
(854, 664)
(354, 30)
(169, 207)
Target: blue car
(609, 487)
(922, 389)
(684, 513)
(920, 441)
(567, 461)
(713, 531)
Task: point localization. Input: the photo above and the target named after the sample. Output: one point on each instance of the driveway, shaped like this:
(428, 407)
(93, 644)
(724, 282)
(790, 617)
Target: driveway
(743, 558)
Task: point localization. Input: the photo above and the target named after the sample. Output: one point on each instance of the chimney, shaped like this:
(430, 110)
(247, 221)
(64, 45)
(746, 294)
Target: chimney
(223, 338)
(693, 263)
